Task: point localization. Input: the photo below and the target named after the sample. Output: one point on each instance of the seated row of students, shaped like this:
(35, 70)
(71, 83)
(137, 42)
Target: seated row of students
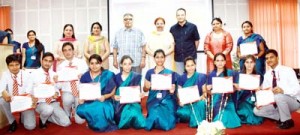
(107, 114)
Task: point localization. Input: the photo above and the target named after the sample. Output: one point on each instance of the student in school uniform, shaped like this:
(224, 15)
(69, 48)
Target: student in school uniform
(70, 89)
(15, 82)
(48, 108)
(130, 114)
(161, 104)
(227, 112)
(193, 113)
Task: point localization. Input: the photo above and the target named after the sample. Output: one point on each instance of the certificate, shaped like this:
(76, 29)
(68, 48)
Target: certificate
(222, 85)
(161, 81)
(188, 94)
(67, 74)
(249, 82)
(130, 94)
(264, 97)
(43, 91)
(20, 103)
(89, 91)
(248, 48)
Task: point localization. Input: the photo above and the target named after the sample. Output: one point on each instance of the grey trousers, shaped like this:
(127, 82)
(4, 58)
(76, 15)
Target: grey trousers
(54, 113)
(27, 117)
(69, 102)
(285, 106)
(179, 67)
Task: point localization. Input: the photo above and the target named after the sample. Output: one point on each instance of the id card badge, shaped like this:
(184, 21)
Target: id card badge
(159, 95)
(33, 57)
(252, 98)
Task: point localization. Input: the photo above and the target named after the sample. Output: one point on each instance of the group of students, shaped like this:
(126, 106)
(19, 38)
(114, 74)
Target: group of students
(163, 107)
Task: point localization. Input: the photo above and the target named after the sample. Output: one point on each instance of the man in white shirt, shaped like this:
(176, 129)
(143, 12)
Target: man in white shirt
(49, 108)
(70, 88)
(15, 82)
(286, 91)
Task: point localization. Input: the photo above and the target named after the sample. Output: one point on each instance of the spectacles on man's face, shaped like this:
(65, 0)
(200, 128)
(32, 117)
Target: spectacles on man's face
(127, 19)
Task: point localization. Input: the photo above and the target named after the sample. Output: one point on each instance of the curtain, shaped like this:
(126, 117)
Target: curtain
(276, 21)
(5, 17)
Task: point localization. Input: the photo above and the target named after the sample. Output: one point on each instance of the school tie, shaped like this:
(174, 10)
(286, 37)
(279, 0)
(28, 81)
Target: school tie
(274, 83)
(47, 81)
(73, 85)
(15, 86)
(74, 88)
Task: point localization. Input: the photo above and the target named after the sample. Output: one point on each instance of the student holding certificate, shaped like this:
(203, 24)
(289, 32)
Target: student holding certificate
(69, 87)
(286, 91)
(188, 79)
(129, 114)
(251, 37)
(222, 107)
(246, 98)
(48, 108)
(161, 104)
(98, 113)
(15, 82)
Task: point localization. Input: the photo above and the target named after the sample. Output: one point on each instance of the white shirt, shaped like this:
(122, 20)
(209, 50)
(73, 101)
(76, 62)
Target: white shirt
(23, 79)
(39, 76)
(286, 80)
(81, 67)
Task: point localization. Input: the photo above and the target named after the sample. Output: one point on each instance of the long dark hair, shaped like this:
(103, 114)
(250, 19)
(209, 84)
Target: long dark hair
(223, 55)
(95, 23)
(244, 67)
(37, 43)
(63, 35)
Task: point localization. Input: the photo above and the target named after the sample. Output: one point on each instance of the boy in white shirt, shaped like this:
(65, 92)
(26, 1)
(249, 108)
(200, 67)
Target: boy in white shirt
(49, 108)
(15, 82)
(70, 88)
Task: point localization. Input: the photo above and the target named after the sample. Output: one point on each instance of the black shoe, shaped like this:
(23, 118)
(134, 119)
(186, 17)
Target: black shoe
(13, 127)
(42, 125)
(286, 124)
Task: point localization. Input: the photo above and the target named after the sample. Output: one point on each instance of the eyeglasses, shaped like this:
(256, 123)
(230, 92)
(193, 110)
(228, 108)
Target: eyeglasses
(127, 19)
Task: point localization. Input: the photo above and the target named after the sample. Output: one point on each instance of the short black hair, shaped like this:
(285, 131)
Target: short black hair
(13, 58)
(46, 54)
(272, 51)
(67, 44)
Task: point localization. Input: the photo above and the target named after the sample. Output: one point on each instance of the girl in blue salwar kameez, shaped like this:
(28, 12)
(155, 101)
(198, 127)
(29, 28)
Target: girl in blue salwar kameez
(98, 113)
(227, 115)
(130, 114)
(192, 78)
(246, 98)
(161, 104)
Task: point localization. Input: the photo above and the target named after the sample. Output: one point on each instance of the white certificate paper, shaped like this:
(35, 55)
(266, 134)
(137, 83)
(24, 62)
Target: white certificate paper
(43, 91)
(249, 82)
(161, 81)
(89, 91)
(188, 94)
(222, 85)
(20, 103)
(264, 97)
(67, 74)
(130, 94)
(248, 48)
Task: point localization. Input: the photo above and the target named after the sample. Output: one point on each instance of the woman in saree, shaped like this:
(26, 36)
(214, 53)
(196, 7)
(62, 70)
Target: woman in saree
(98, 113)
(189, 112)
(251, 37)
(222, 104)
(161, 104)
(130, 114)
(246, 98)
